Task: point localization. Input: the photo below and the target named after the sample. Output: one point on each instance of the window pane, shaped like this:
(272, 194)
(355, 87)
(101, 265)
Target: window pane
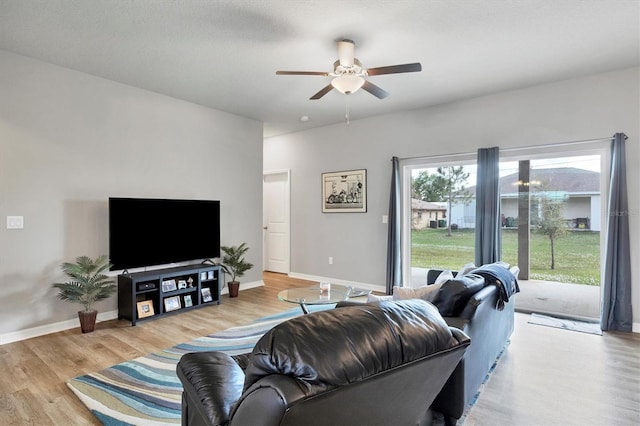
(442, 216)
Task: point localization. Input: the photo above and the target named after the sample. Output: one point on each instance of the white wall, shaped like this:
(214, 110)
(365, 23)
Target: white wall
(68, 141)
(580, 109)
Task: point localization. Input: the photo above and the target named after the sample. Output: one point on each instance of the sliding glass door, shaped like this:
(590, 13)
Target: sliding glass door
(552, 217)
(552, 212)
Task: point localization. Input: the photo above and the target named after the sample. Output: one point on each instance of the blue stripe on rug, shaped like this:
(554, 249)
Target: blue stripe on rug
(146, 390)
(142, 401)
(109, 421)
(148, 375)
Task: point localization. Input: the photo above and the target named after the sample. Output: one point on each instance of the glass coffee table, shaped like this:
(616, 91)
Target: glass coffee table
(314, 296)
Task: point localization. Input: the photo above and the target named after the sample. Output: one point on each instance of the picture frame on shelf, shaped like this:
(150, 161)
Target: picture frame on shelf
(209, 275)
(182, 284)
(203, 275)
(344, 192)
(206, 294)
(187, 301)
(145, 308)
(172, 303)
(169, 285)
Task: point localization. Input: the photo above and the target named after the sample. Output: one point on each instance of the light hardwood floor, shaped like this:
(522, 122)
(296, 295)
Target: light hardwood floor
(546, 376)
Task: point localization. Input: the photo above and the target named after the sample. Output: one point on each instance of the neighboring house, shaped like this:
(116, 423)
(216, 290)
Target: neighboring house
(579, 188)
(426, 215)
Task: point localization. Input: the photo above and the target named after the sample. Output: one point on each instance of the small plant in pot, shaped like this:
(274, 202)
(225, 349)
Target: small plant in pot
(234, 265)
(88, 285)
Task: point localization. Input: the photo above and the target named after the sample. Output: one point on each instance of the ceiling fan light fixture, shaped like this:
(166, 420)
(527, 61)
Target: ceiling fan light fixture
(347, 84)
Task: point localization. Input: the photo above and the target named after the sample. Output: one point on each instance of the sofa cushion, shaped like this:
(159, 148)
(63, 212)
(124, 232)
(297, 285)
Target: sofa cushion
(454, 294)
(444, 276)
(426, 292)
(327, 349)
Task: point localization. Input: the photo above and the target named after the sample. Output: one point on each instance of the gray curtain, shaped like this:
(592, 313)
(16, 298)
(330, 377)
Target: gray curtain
(394, 254)
(488, 242)
(616, 299)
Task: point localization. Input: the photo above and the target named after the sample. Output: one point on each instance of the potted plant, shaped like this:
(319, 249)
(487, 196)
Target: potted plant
(87, 286)
(234, 265)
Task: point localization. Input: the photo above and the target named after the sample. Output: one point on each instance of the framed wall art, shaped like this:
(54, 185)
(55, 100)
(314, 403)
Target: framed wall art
(344, 192)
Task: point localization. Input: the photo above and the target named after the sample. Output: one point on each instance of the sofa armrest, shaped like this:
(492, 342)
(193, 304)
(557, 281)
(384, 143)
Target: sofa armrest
(487, 294)
(459, 336)
(489, 330)
(212, 383)
(266, 402)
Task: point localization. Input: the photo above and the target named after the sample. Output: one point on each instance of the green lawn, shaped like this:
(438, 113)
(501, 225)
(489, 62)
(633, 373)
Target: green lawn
(577, 254)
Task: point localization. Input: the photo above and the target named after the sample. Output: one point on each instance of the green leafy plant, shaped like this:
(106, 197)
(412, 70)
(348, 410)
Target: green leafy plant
(88, 283)
(233, 262)
(551, 222)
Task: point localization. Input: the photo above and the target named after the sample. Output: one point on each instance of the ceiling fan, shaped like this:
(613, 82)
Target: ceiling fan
(349, 76)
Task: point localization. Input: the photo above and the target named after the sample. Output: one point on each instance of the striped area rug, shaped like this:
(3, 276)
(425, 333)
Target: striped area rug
(147, 391)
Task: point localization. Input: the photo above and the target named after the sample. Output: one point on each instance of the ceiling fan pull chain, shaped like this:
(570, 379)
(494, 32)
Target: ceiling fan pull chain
(346, 114)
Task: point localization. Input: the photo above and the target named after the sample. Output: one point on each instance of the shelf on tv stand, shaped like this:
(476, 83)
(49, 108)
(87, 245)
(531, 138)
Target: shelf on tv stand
(134, 288)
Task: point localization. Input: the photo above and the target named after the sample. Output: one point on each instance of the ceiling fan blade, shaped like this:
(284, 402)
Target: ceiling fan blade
(326, 89)
(395, 69)
(302, 73)
(375, 90)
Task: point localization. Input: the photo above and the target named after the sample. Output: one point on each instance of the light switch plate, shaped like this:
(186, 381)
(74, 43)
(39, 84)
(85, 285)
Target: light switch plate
(15, 222)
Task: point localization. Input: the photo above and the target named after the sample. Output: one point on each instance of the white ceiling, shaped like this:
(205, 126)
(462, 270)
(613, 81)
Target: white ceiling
(224, 53)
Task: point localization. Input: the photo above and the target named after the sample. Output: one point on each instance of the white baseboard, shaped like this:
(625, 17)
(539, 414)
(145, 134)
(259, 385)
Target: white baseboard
(372, 287)
(28, 333)
(244, 286)
(41, 330)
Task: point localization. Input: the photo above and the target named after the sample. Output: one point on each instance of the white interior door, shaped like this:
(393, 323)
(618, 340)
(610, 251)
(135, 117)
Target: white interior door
(276, 221)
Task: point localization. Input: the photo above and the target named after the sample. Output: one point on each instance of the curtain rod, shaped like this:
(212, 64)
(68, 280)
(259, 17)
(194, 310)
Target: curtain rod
(550, 145)
(462, 154)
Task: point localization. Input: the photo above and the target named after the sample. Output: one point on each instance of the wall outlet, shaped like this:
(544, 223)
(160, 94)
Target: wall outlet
(330, 260)
(385, 219)
(15, 222)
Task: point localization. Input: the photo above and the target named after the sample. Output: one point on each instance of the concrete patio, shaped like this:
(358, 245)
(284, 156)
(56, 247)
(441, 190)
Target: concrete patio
(574, 301)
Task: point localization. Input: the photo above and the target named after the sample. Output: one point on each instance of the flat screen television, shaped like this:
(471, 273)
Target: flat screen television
(148, 232)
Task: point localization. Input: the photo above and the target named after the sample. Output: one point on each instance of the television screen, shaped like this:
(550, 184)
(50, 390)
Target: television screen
(147, 232)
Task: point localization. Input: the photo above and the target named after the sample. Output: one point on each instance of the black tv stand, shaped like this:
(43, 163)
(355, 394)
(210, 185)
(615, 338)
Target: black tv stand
(152, 294)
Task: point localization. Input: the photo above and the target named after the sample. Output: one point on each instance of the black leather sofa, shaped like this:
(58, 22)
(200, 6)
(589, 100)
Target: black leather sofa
(369, 364)
(489, 328)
